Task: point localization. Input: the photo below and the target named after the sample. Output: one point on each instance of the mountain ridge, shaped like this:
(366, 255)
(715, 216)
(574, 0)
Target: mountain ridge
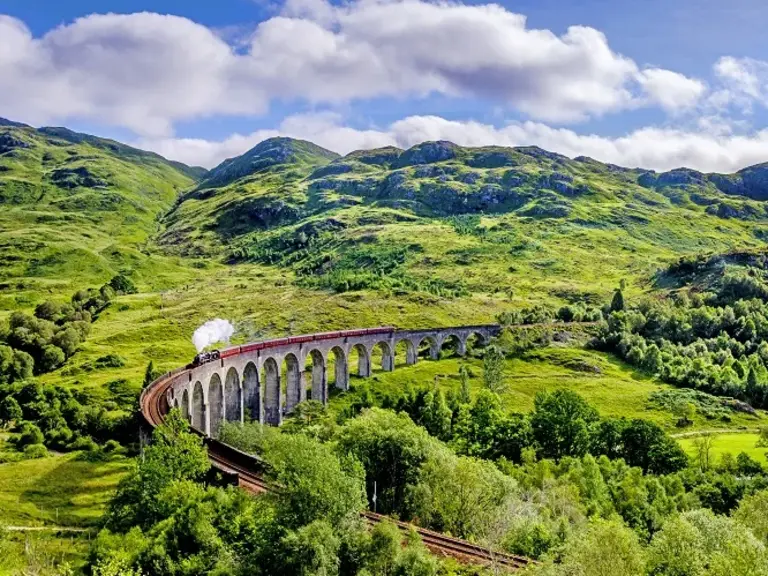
(748, 181)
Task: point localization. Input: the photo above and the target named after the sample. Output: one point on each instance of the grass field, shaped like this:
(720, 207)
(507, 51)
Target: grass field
(730, 443)
(56, 491)
(612, 386)
(42, 553)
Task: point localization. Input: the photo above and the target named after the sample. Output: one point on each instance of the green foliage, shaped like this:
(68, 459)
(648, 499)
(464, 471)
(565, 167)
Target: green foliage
(646, 445)
(174, 454)
(460, 495)
(493, 369)
(314, 482)
(617, 303)
(32, 451)
(10, 410)
(699, 542)
(312, 550)
(122, 284)
(753, 514)
(606, 548)
(562, 423)
(28, 434)
(390, 448)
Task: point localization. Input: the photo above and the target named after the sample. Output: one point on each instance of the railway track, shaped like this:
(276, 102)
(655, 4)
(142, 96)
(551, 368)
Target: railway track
(245, 471)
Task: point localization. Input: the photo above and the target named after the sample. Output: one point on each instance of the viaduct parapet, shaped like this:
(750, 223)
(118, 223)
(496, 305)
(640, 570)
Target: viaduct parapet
(264, 381)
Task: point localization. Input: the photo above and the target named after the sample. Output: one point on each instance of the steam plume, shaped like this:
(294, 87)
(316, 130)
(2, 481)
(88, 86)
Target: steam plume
(213, 331)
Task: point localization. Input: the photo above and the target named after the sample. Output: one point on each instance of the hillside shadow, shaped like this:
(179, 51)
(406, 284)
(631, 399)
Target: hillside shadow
(79, 490)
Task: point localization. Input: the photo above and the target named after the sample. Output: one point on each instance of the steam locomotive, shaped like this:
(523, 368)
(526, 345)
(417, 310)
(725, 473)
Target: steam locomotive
(205, 357)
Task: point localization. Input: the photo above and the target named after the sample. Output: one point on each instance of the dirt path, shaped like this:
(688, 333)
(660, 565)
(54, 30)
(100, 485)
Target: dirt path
(716, 431)
(43, 529)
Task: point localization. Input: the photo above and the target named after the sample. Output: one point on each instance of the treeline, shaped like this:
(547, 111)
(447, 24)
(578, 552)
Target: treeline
(580, 515)
(713, 341)
(40, 343)
(539, 507)
(165, 520)
(54, 417)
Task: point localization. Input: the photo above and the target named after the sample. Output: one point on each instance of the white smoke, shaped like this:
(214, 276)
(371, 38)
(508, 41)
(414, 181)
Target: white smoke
(213, 331)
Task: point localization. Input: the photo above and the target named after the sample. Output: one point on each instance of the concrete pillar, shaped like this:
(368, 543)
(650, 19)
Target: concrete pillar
(341, 372)
(363, 362)
(412, 354)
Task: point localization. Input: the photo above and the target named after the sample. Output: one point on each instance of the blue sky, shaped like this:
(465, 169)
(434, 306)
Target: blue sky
(671, 82)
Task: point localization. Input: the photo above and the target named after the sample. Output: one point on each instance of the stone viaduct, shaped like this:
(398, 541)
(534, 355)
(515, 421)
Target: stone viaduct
(264, 381)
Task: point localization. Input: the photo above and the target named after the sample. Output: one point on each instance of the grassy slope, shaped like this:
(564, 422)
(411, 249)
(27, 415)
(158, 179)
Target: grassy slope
(55, 240)
(612, 229)
(615, 388)
(731, 444)
(75, 210)
(59, 491)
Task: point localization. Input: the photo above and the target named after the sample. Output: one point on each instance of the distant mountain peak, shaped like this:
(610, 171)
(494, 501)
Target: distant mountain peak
(6, 122)
(268, 153)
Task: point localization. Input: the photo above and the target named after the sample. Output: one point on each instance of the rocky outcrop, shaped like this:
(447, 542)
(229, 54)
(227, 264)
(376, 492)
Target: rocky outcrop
(428, 153)
(79, 177)
(9, 142)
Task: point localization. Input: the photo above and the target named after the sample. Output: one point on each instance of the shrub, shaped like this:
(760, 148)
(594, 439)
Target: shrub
(35, 451)
(109, 361)
(121, 284)
(28, 434)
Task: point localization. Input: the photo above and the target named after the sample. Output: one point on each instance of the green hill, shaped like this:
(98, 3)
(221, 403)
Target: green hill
(291, 238)
(76, 209)
(448, 220)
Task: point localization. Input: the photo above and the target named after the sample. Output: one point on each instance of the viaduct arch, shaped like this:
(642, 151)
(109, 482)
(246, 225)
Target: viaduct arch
(264, 381)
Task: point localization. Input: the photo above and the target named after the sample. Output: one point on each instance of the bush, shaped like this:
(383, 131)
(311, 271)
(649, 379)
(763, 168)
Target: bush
(121, 284)
(84, 443)
(28, 434)
(112, 447)
(109, 361)
(34, 451)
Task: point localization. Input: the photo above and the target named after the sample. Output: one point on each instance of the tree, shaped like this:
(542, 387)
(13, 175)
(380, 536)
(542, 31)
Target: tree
(174, 454)
(314, 483)
(753, 513)
(385, 546)
(150, 374)
(617, 303)
(15, 365)
(703, 444)
(68, 340)
(762, 441)
(459, 495)
(647, 445)
(608, 548)
(700, 543)
(435, 415)
(493, 369)
(28, 435)
(10, 411)
(52, 357)
(312, 550)
(121, 284)
(391, 449)
(48, 310)
(562, 423)
(465, 396)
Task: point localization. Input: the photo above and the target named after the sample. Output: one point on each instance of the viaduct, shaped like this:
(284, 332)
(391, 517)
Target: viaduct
(264, 381)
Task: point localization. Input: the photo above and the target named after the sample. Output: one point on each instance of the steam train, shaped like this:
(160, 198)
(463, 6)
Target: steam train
(205, 357)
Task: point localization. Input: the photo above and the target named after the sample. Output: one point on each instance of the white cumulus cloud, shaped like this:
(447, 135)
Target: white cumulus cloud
(658, 148)
(147, 71)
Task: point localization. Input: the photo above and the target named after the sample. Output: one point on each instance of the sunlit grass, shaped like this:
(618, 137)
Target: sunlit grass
(729, 444)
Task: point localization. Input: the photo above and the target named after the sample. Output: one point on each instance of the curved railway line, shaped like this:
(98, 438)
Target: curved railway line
(245, 471)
